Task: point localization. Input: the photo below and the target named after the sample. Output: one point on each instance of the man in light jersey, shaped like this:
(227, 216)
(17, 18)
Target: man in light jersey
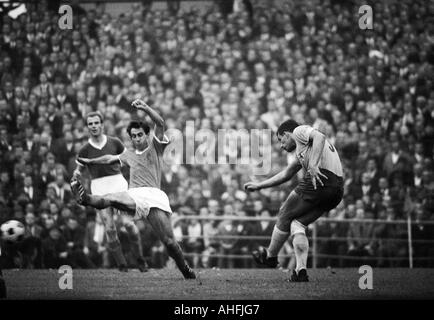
(320, 190)
(144, 199)
(108, 179)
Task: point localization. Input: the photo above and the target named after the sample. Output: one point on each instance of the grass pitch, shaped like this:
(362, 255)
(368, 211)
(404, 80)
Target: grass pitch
(225, 284)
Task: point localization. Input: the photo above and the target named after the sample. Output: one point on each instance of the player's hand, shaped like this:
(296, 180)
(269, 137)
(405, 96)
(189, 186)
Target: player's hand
(252, 186)
(139, 103)
(86, 250)
(76, 174)
(316, 176)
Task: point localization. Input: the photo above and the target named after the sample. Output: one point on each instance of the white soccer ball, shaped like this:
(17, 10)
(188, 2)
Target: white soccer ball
(12, 231)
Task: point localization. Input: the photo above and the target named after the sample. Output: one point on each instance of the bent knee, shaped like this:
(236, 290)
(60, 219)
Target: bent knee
(283, 224)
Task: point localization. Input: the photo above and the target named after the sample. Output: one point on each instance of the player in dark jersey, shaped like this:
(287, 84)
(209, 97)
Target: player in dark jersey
(108, 179)
(320, 191)
(144, 199)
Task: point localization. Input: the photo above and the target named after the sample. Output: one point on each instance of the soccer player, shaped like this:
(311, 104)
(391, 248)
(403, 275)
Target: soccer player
(144, 199)
(320, 190)
(108, 179)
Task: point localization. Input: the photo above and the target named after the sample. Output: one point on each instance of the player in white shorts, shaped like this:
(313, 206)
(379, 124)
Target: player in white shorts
(107, 179)
(144, 199)
(320, 190)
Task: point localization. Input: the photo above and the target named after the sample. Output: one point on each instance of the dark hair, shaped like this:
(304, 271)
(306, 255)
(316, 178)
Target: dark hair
(288, 125)
(95, 114)
(138, 125)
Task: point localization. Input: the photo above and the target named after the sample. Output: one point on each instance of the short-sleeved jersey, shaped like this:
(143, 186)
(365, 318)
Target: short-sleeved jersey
(330, 160)
(112, 146)
(145, 166)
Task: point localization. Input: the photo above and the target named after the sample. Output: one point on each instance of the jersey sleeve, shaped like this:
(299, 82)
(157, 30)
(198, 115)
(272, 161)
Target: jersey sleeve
(118, 146)
(123, 158)
(302, 134)
(160, 145)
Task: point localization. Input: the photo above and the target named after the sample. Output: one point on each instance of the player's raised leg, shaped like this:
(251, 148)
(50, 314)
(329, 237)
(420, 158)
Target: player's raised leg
(160, 222)
(114, 244)
(119, 200)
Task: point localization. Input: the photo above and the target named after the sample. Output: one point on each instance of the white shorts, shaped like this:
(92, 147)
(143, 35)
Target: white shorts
(108, 184)
(147, 198)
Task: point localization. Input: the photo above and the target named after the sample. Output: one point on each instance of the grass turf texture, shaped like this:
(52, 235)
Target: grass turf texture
(220, 284)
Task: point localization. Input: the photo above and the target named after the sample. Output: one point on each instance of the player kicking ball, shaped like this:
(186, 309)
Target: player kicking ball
(320, 190)
(144, 199)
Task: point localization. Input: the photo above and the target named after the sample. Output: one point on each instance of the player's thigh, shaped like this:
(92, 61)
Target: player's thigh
(292, 208)
(160, 222)
(310, 216)
(121, 201)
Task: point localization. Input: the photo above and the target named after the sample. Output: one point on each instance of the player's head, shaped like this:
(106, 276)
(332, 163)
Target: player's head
(138, 132)
(94, 121)
(284, 135)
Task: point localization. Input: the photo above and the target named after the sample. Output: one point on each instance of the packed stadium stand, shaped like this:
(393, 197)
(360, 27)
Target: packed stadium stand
(250, 66)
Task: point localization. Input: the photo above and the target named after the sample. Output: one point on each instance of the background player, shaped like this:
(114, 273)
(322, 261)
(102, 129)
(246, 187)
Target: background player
(320, 190)
(108, 179)
(144, 199)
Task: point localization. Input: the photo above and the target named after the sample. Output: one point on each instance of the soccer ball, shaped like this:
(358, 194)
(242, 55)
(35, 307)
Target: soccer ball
(12, 231)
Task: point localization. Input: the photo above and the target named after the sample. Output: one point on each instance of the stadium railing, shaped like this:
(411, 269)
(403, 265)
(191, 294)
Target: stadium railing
(408, 241)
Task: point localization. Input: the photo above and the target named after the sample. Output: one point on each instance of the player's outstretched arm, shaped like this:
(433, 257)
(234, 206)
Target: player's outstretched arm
(105, 159)
(318, 141)
(282, 177)
(155, 117)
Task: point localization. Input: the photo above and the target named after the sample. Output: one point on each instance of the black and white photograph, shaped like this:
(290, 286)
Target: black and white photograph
(210, 151)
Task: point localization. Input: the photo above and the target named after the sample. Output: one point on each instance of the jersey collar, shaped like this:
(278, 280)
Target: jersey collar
(101, 145)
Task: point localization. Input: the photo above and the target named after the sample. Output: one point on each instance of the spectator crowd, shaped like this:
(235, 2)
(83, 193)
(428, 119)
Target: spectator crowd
(369, 91)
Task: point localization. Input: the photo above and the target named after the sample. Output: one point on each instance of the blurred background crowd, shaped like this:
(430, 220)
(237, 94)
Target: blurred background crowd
(249, 66)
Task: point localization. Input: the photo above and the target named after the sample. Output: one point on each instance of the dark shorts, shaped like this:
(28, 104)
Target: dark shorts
(326, 197)
(307, 204)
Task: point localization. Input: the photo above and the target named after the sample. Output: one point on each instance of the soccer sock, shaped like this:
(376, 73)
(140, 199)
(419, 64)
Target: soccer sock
(176, 254)
(136, 243)
(278, 238)
(301, 249)
(114, 246)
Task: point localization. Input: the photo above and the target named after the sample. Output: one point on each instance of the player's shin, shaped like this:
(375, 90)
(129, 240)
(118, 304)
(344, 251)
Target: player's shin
(114, 246)
(175, 252)
(136, 245)
(278, 238)
(300, 244)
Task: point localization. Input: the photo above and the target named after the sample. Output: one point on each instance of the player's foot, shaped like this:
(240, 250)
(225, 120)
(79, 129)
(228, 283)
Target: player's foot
(141, 265)
(3, 294)
(300, 276)
(260, 257)
(123, 268)
(78, 190)
(188, 273)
